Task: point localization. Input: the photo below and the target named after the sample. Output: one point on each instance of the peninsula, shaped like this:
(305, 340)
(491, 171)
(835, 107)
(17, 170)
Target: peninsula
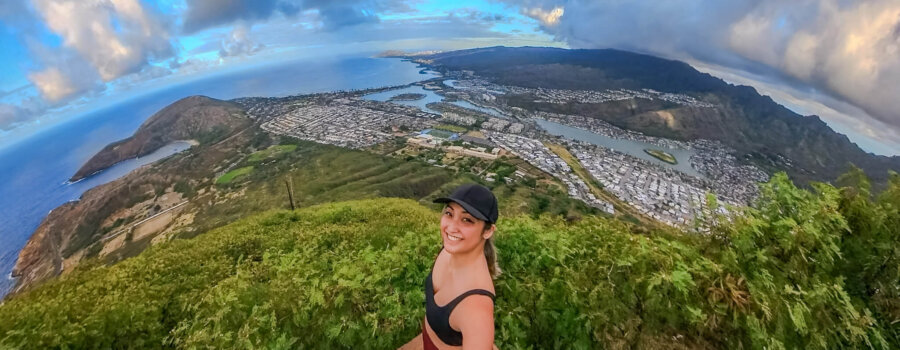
(661, 155)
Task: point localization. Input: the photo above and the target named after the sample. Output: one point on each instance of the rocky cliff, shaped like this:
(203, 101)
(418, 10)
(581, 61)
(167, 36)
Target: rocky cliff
(75, 228)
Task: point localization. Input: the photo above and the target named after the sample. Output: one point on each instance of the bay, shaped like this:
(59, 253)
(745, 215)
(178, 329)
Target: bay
(633, 148)
(34, 171)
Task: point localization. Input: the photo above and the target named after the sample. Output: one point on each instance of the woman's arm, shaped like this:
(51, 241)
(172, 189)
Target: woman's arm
(475, 317)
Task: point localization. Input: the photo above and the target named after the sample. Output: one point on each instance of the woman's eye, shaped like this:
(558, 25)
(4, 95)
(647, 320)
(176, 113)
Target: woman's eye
(467, 220)
(446, 213)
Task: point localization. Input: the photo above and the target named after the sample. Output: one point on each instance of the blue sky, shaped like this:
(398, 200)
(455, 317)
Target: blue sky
(836, 59)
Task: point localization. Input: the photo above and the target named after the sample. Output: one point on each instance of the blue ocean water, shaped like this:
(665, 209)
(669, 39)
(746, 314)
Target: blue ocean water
(34, 171)
(430, 97)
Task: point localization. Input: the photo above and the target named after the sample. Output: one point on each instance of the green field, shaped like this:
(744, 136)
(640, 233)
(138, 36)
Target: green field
(231, 175)
(440, 133)
(324, 173)
(661, 155)
(270, 152)
(451, 128)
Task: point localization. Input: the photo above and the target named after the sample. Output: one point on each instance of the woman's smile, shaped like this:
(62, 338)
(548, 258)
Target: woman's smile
(458, 226)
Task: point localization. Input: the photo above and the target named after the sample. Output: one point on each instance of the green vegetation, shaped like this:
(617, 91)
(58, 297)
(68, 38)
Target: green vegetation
(440, 133)
(184, 187)
(217, 133)
(231, 175)
(661, 155)
(802, 269)
(324, 173)
(271, 152)
(408, 97)
(451, 128)
(502, 169)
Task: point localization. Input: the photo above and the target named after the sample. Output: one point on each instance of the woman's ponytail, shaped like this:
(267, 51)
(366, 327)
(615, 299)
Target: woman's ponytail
(490, 252)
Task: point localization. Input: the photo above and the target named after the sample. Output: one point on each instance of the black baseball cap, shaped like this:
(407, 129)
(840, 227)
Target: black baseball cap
(475, 199)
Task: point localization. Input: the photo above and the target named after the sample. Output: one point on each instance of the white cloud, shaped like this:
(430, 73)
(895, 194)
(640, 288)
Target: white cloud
(239, 43)
(869, 133)
(546, 17)
(849, 49)
(65, 77)
(54, 85)
(114, 37)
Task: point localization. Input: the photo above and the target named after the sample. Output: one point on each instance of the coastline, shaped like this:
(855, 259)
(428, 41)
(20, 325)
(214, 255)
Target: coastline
(61, 192)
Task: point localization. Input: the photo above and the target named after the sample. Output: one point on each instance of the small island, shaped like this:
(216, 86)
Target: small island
(662, 155)
(407, 97)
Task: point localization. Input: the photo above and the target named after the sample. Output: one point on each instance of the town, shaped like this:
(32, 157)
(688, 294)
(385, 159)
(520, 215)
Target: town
(670, 196)
(534, 152)
(543, 95)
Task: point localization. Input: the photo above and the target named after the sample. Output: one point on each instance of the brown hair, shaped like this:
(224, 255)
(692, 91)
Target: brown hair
(490, 253)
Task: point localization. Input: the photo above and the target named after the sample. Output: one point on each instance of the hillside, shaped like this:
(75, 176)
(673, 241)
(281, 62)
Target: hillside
(101, 223)
(192, 118)
(75, 229)
(761, 130)
(350, 274)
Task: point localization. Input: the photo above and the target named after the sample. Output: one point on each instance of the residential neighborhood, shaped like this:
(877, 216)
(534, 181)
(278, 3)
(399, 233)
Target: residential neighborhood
(659, 192)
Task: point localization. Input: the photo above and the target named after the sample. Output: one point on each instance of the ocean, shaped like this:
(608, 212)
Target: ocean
(34, 172)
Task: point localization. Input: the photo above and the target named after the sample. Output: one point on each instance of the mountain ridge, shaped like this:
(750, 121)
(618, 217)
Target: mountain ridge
(192, 117)
(761, 130)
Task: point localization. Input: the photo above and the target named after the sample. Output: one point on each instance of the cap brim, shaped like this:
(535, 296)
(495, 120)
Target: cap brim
(469, 208)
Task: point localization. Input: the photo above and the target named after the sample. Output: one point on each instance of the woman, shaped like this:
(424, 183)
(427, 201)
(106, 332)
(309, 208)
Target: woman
(459, 291)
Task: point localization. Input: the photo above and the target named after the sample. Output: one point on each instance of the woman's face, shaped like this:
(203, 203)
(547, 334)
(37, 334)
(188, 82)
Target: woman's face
(460, 231)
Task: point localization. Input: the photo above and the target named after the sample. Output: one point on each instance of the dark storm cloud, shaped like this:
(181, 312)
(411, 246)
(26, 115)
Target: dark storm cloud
(13, 115)
(10, 115)
(456, 25)
(473, 15)
(202, 14)
(335, 17)
(334, 14)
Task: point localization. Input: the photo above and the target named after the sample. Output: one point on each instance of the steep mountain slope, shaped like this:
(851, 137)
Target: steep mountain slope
(196, 117)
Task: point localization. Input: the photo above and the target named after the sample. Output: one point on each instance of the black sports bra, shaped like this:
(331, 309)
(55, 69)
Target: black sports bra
(439, 316)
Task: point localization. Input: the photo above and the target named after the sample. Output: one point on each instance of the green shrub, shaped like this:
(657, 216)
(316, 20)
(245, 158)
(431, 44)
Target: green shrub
(350, 275)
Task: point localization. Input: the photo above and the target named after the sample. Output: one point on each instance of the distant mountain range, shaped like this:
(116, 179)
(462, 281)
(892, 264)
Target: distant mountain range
(762, 131)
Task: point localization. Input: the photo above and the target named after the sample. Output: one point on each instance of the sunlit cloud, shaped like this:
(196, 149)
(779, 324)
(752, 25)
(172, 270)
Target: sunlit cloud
(547, 18)
(115, 37)
(847, 49)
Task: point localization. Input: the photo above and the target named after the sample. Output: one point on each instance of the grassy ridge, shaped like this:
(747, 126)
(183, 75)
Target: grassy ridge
(273, 151)
(231, 175)
(349, 275)
(323, 173)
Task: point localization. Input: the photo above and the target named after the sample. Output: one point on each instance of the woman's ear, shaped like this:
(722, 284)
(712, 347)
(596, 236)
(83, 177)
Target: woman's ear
(489, 232)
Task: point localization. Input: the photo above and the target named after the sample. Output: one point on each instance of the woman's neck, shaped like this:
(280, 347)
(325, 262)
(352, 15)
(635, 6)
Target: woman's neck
(467, 260)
